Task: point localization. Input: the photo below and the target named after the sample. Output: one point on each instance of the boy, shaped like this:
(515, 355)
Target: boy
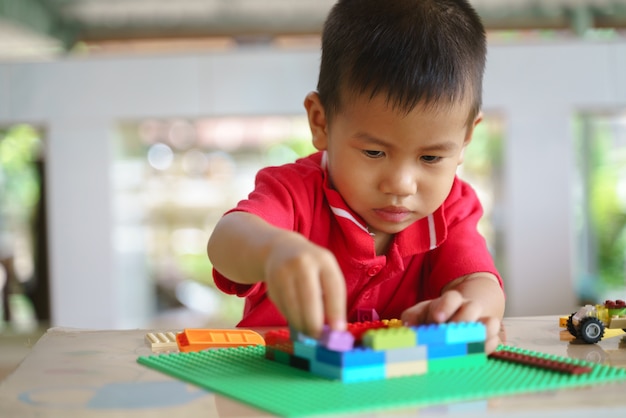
(377, 219)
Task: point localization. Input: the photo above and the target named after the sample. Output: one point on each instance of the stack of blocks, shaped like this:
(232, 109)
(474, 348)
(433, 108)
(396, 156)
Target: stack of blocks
(380, 349)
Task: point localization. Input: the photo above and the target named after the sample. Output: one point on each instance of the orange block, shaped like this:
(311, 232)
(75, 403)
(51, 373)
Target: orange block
(202, 339)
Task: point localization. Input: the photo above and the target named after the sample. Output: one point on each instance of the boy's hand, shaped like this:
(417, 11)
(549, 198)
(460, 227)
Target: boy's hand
(306, 284)
(451, 306)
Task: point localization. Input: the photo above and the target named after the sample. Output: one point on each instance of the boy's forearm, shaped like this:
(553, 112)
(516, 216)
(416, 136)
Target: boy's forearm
(238, 246)
(483, 288)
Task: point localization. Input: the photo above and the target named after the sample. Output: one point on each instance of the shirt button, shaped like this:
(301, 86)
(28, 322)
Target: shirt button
(373, 271)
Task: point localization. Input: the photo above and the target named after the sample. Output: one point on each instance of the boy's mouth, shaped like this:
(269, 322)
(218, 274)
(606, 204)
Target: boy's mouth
(394, 214)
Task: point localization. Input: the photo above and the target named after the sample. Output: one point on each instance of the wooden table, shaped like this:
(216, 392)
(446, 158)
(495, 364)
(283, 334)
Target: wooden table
(73, 372)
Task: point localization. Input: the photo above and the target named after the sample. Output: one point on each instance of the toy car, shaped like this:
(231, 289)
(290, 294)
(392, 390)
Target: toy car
(589, 322)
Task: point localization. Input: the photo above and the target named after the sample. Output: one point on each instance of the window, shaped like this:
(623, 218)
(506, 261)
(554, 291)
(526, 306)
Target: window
(600, 212)
(23, 253)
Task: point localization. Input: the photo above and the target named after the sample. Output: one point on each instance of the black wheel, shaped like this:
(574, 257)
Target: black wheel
(591, 330)
(570, 325)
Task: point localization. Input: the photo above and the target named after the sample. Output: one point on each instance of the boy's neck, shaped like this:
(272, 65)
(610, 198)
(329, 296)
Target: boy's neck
(382, 242)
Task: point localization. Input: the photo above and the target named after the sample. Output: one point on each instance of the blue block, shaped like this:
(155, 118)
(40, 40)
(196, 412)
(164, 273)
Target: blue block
(349, 374)
(352, 358)
(304, 350)
(431, 334)
(446, 350)
(451, 333)
(465, 332)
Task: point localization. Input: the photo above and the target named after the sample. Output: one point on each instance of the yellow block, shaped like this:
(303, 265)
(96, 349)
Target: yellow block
(407, 368)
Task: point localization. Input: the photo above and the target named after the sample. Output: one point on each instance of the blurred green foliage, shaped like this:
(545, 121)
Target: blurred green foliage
(20, 148)
(608, 209)
(483, 156)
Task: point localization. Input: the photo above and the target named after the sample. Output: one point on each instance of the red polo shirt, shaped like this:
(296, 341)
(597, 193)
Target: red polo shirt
(421, 260)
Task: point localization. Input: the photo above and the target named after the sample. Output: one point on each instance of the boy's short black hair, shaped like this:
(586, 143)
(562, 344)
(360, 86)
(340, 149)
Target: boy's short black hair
(414, 51)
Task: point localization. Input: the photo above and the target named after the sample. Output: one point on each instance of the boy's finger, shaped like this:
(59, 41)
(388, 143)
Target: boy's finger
(492, 326)
(444, 307)
(415, 314)
(285, 297)
(467, 312)
(310, 305)
(334, 297)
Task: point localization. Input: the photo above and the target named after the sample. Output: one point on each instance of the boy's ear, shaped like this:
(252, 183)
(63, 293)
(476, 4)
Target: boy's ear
(469, 136)
(317, 120)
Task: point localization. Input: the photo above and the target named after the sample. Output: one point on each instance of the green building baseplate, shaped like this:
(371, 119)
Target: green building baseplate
(246, 375)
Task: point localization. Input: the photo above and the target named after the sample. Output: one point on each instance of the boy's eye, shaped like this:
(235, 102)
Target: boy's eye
(431, 158)
(373, 154)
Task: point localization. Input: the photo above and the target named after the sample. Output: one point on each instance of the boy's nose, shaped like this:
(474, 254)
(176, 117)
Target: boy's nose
(400, 181)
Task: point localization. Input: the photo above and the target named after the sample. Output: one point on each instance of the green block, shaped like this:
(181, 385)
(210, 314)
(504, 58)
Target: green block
(458, 362)
(279, 356)
(388, 338)
(478, 347)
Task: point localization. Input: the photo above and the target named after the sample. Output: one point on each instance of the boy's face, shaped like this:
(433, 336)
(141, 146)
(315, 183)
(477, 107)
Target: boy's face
(391, 168)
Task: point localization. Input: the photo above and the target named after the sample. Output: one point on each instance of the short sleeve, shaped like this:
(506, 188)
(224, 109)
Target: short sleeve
(282, 197)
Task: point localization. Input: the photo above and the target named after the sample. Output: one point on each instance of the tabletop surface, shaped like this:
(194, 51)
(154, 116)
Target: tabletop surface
(72, 372)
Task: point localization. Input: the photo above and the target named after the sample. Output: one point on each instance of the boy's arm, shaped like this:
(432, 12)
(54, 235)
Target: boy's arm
(483, 289)
(239, 245)
(302, 279)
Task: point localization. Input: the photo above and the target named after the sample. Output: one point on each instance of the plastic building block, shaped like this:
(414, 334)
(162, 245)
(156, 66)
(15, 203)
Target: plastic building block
(409, 368)
(349, 374)
(451, 332)
(355, 358)
(160, 342)
(245, 375)
(618, 323)
(478, 347)
(541, 362)
(300, 363)
(616, 305)
(336, 340)
(431, 334)
(277, 336)
(454, 364)
(202, 339)
(465, 332)
(446, 350)
(384, 352)
(386, 338)
(407, 354)
(278, 355)
(305, 350)
(392, 323)
(279, 340)
(365, 315)
(357, 329)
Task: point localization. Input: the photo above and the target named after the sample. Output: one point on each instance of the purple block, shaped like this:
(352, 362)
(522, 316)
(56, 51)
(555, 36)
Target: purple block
(336, 340)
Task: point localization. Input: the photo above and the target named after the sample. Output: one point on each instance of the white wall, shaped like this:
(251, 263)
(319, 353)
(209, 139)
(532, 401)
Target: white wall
(536, 87)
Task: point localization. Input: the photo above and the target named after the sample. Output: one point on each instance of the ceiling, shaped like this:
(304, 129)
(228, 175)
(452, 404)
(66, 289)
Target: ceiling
(31, 28)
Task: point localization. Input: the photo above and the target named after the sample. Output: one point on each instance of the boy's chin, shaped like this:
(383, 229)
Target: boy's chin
(389, 229)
